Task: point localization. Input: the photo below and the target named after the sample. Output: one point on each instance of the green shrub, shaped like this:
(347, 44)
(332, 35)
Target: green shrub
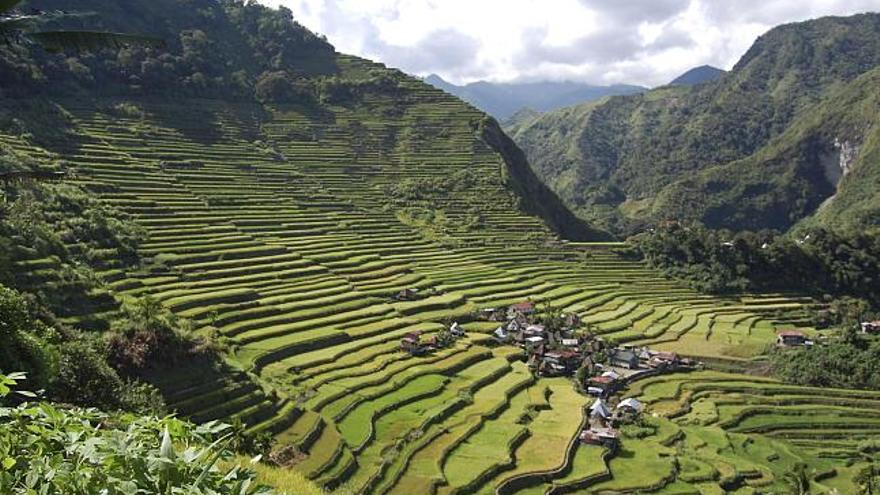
(25, 342)
(46, 449)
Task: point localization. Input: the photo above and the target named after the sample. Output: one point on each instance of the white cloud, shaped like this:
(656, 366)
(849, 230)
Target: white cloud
(645, 42)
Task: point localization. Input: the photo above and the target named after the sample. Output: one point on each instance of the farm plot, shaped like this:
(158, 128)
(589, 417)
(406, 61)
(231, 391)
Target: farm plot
(280, 231)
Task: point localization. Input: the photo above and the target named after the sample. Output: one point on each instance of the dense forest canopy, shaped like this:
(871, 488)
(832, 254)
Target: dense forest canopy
(214, 49)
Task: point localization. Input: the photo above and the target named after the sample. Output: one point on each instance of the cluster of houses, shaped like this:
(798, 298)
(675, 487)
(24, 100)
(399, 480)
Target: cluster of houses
(415, 344)
(551, 353)
(605, 419)
(562, 352)
(626, 363)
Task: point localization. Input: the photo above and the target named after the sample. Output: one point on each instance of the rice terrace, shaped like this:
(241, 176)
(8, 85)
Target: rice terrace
(365, 277)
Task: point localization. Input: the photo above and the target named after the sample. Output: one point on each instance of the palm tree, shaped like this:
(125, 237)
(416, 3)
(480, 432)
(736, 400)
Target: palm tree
(19, 28)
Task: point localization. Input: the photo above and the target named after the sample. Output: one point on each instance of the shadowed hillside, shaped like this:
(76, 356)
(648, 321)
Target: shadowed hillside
(704, 152)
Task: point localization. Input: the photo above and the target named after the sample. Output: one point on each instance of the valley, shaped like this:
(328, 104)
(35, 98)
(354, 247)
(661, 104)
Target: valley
(308, 240)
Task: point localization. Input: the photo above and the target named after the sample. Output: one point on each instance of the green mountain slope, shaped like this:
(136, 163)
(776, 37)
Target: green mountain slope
(622, 161)
(287, 195)
(242, 53)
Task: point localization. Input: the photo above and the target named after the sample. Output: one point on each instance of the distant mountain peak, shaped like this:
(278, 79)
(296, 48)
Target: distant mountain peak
(698, 75)
(504, 100)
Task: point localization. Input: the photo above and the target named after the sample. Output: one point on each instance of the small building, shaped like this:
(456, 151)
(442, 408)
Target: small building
(550, 368)
(624, 359)
(871, 326)
(501, 335)
(570, 343)
(612, 374)
(412, 343)
(565, 361)
(532, 343)
(606, 437)
(664, 360)
(535, 330)
(514, 326)
(408, 294)
(602, 385)
(525, 308)
(600, 410)
(630, 404)
(791, 338)
(492, 314)
(456, 330)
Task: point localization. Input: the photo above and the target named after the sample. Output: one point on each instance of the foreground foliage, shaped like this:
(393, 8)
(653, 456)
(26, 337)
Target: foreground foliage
(46, 449)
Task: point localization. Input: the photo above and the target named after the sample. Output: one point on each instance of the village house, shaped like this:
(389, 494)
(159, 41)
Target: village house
(871, 326)
(606, 437)
(550, 368)
(601, 386)
(407, 294)
(622, 358)
(572, 344)
(664, 360)
(533, 330)
(456, 330)
(599, 411)
(632, 405)
(501, 335)
(565, 360)
(412, 343)
(492, 314)
(791, 338)
(523, 309)
(532, 343)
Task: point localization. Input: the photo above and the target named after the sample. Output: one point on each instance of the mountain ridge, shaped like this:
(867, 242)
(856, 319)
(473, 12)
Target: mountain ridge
(698, 75)
(618, 156)
(503, 100)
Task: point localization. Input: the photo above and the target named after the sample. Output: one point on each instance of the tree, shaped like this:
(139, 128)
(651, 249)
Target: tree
(799, 480)
(17, 28)
(25, 342)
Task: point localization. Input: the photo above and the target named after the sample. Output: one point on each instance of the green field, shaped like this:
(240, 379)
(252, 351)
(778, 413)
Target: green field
(293, 263)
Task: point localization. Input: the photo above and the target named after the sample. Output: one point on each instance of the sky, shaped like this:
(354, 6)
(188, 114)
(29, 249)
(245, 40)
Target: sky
(645, 42)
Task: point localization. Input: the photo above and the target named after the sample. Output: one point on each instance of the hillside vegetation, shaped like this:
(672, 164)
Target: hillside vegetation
(295, 213)
(766, 145)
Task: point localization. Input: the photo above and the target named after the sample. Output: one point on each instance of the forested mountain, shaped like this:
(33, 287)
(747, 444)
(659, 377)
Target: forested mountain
(698, 75)
(248, 228)
(767, 145)
(503, 100)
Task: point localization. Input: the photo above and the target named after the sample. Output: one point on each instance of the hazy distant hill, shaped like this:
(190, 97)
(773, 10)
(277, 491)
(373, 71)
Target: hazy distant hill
(698, 75)
(503, 100)
(766, 145)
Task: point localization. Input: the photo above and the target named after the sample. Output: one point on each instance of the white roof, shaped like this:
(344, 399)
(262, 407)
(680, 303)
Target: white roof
(569, 342)
(500, 332)
(535, 339)
(630, 403)
(611, 374)
(600, 409)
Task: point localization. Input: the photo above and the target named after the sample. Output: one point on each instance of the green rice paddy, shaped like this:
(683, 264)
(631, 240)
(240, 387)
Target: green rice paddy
(293, 262)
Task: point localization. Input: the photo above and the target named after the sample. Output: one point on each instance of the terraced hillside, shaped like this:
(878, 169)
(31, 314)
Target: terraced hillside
(284, 232)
